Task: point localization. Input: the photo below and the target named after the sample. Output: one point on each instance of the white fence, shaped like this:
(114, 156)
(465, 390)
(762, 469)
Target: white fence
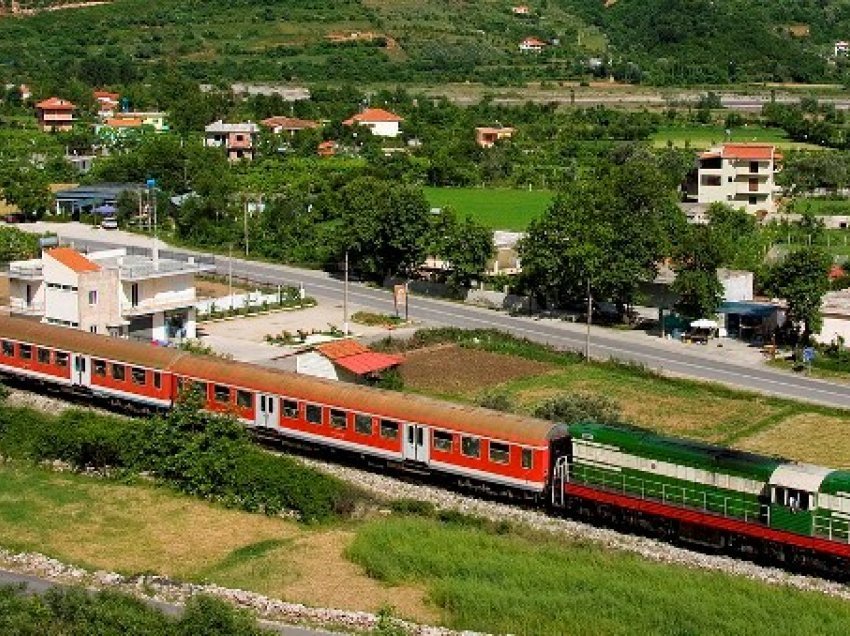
(237, 301)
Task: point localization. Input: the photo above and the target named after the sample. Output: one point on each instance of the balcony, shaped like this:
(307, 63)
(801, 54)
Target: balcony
(23, 308)
(152, 306)
(26, 272)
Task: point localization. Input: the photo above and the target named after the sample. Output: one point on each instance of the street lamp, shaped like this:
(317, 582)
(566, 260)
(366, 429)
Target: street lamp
(589, 314)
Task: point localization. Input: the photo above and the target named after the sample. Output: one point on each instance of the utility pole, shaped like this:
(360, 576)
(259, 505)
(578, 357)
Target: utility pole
(589, 312)
(245, 224)
(345, 298)
(230, 275)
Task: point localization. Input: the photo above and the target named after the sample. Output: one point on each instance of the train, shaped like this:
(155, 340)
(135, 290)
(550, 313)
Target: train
(761, 507)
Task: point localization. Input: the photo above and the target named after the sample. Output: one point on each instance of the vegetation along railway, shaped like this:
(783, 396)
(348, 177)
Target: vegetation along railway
(796, 515)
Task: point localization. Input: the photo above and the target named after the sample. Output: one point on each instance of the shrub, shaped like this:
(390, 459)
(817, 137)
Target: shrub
(496, 399)
(570, 408)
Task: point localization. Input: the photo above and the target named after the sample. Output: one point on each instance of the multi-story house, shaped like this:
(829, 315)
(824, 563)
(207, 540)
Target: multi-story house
(239, 140)
(288, 125)
(381, 122)
(487, 136)
(741, 175)
(55, 114)
(107, 103)
(109, 292)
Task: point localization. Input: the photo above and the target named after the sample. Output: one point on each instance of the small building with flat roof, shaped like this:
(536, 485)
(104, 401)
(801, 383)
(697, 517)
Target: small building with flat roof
(85, 198)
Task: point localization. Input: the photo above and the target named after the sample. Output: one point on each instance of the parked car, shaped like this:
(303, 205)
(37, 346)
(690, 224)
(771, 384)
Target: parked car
(14, 218)
(109, 223)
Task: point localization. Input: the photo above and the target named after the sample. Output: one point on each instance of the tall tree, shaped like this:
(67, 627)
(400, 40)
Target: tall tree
(698, 289)
(464, 243)
(802, 279)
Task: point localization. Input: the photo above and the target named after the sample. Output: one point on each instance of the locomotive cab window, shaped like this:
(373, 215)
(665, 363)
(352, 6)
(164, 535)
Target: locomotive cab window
(8, 348)
(363, 424)
(244, 399)
(221, 393)
(290, 408)
(337, 419)
(98, 367)
(499, 453)
(25, 351)
(442, 441)
(118, 372)
(43, 356)
(389, 429)
(138, 376)
(62, 359)
(470, 446)
(792, 498)
(314, 413)
(527, 458)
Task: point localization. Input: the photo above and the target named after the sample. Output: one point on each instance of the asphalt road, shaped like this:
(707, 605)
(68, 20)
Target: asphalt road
(35, 585)
(560, 334)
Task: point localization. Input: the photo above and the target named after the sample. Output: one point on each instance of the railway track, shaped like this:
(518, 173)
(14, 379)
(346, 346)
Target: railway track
(389, 488)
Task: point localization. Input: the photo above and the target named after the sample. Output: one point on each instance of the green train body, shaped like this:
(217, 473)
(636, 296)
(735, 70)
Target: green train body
(800, 498)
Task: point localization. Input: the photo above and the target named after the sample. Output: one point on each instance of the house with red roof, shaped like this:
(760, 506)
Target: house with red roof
(532, 45)
(346, 360)
(741, 175)
(55, 114)
(382, 123)
(487, 136)
(289, 125)
(107, 103)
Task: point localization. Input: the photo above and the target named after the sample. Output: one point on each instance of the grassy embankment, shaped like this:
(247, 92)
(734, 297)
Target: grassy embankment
(708, 412)
(497, 208)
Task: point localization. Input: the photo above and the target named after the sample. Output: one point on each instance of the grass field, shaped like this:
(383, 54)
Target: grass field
(821, 206)
(518, 585)
(497, 208)
(701, 137)
(707, 412)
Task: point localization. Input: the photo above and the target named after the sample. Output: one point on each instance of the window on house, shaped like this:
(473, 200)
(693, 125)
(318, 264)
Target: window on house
(221, 393)
(62, 359)
(138, 376)
(8, 348)
(389, 429)
(157, 380)
(753, 200)
(313, 413)
(338, 419)
(442, 441)
(98, 367)
(527, 458)
(499, 453)
(244, 399)
(363, 424)
(25, 351)
(754, 166)
(93, 329)
(289, 408)
(711, 180)
(93, 297)
(118, 372)
(470, 446)
(43, 356)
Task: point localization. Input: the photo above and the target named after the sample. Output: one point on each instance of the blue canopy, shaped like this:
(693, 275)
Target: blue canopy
(105, 210)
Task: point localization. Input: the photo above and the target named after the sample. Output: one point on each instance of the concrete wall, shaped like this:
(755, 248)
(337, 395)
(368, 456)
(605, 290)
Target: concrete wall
(106, 309)
(834, 326)
(383, 128)
(157, 293)
(61, 303)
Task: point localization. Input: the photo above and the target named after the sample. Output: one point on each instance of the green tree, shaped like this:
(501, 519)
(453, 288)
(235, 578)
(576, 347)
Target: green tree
(464, 243)
(802, 279)
(17, 245)
(698, 289)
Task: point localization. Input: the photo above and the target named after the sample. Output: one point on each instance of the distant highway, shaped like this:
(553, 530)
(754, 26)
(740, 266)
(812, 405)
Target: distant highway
(605, 343)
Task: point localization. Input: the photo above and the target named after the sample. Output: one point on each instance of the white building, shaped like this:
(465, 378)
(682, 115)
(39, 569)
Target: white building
(532, 45)
(108, 292)
(381, 122)
(741, 175)
(841, 49)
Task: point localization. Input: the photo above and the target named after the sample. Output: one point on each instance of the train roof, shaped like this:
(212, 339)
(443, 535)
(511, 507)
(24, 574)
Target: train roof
(141, 354)
(389, 404)
(838, 481)
(679, 451)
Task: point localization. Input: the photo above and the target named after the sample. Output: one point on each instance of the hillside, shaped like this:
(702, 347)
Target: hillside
(428, 41)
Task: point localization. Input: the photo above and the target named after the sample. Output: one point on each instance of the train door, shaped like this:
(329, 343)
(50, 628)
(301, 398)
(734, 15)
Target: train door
(82, 371)
(416, 443)
(267, 413)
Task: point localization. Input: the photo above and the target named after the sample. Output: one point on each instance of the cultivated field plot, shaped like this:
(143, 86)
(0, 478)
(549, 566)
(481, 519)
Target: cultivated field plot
(702, 137)
(670, 406)
(497, 208)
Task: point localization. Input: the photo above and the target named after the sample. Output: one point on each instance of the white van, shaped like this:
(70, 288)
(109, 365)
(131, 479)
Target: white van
(109, 223)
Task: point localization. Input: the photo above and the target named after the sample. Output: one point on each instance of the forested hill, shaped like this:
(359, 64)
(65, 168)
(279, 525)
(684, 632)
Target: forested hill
(428, 41)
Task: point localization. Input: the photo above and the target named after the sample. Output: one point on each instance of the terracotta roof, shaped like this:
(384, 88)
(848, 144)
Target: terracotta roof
(750, 151)
(121, 122)
(72, 259)
(106, 95)
(289, 123)
(370, 362)
(373, 115)
(341, 348)
(55, 103)
(533, 42)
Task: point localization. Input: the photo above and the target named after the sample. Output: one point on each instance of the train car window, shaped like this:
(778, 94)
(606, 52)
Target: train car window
(98, 367)
(363, 424)
(244, 399)
(470, 446)
(118, 372)
(221, 393)
(138, 376)
(290, 408)
(527, 458)
(442, 441)
(62, 359)
(157, 380)
(25, 351)
(200, 388)
(8, 348)
(314, 414)
(389, 429)
(499, 453)
(43, 356)
(338, 419)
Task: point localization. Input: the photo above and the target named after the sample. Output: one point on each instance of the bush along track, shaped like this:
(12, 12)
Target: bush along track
(200, 454)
